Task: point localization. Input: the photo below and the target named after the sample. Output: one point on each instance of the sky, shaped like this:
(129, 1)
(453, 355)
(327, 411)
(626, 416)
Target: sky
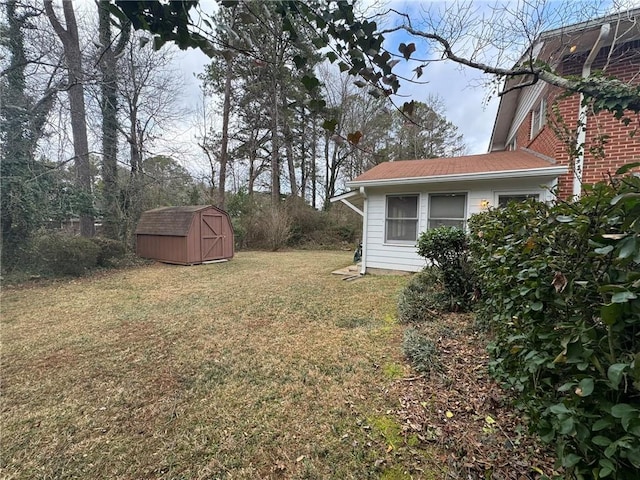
(464, 98)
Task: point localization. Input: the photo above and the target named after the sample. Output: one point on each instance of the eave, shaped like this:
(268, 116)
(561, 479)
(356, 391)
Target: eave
(463, 177)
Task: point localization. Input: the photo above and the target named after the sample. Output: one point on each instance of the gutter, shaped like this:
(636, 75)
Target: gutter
(365, 224)
(461, 177)
(582, 114)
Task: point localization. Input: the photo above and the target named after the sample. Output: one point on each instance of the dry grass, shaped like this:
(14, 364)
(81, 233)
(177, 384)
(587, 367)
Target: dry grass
(263, 367)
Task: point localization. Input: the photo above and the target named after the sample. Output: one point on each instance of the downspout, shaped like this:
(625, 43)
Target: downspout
(365, 223)
(582, 114)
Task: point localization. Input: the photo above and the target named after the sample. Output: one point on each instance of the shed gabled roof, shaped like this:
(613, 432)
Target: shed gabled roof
(174, 221)
(507, 164)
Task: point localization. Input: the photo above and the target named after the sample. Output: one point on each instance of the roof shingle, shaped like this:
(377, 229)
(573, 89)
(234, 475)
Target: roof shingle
(173, 221)
(470, 164)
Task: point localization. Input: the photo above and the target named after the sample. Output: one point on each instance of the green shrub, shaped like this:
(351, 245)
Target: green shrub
(420, 351)
(446, 247)
(58, 254)
(561, 290)
(110, 251)
(421, 300)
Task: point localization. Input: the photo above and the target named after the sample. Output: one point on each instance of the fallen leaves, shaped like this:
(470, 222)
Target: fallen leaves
(462, 411)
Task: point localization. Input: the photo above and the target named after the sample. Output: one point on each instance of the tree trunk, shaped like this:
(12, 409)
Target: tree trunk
(224, 154)
(325, 205)
(73, 56)
(304, 168)
(288, 139)
(109, 118)
(275, 147)
(135, 145)
(314, 181)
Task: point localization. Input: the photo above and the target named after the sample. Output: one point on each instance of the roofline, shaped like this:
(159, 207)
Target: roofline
(508, 100)
(576, 27)
(461, 177)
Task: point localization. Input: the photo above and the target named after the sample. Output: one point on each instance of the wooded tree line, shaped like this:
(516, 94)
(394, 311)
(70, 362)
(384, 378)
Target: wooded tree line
(85, 97)
(269, 80)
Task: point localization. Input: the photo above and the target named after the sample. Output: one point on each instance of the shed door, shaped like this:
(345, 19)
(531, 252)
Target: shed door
(212, 234)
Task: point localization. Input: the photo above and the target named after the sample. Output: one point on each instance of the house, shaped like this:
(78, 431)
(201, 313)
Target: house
(529, 156)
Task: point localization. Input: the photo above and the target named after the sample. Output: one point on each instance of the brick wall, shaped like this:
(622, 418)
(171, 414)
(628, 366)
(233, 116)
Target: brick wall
(620, 146)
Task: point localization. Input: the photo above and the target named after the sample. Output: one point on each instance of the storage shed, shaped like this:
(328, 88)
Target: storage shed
(185, 235)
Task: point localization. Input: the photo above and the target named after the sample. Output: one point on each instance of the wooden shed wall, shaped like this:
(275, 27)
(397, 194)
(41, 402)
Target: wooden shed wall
(193, 240)
(187, 235)
(163, 247)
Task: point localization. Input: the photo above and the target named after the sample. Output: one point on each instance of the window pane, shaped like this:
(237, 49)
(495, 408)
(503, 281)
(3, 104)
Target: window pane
(435, 223)
(447, 206)
(402, 207)
(405, 230)
(503, 200)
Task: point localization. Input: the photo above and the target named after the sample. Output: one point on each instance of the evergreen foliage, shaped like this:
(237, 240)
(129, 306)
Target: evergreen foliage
(447, 248)
(423, 297)
(59, 254)
(420, 351)
(560, 290)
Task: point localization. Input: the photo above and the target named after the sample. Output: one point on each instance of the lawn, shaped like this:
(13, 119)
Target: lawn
(266, 366)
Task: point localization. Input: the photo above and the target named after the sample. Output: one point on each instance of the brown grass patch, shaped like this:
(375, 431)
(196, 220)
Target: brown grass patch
(267, 366)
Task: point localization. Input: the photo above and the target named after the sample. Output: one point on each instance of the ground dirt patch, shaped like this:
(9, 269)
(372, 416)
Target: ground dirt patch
(459, 409)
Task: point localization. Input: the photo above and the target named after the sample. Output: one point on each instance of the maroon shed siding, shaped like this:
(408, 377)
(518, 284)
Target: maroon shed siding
(185, 235)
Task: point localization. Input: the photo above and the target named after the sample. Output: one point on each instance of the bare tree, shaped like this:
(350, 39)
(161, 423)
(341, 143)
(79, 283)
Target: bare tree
(206, 140)
(75, 90)
(149, 95)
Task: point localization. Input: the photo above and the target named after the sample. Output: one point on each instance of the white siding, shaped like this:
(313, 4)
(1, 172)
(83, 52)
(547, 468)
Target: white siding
(527, 99)
(404, 257)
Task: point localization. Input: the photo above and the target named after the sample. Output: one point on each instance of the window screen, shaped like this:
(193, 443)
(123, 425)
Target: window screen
(447, 210)
(402, 218)
(503, 200)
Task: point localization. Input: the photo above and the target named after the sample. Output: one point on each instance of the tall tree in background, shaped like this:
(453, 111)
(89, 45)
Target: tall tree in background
(75, 90)
(22, 119)
(149, 102)
(255, 70)
(426, 133)
(219, 78)
(107, 61)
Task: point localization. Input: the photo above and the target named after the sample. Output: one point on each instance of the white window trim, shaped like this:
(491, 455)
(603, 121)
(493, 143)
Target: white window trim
(466, 208)
(401, 243)
(540, 107)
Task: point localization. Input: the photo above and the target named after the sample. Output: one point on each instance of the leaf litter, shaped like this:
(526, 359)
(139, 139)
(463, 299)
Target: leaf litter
(462, 412)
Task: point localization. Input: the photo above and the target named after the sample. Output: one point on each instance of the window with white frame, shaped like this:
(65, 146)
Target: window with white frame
(401, 225)
(503, 200)
(447, 209)
(538, 117)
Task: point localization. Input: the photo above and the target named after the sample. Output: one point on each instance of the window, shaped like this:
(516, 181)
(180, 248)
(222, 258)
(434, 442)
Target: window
(503, 200)
(448, 209)
(538, 117)
(402, 219)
